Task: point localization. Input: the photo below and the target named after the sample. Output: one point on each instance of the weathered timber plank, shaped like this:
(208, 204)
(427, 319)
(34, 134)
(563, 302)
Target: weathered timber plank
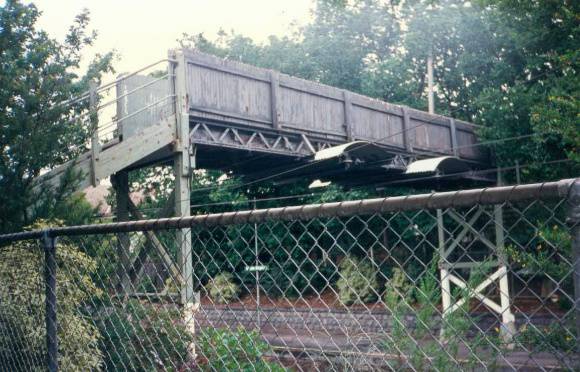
(274, 97)
(136, 147)
(237, 94)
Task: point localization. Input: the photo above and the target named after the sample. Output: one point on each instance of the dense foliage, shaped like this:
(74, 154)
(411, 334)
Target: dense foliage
(223, 289)
(240, 350)
(138, 336)
(358, 281)
(23, 307)
(511, 66)
(418, 344)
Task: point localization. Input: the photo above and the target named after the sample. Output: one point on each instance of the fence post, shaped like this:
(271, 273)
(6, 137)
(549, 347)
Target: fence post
(574, 223)
(49, 245)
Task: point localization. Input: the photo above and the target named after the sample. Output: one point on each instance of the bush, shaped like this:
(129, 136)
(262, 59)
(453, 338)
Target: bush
(555, 337)
(420, 347)
(398, 287)
(358, 281)
(548, 255)
(143, 337)
(23, 307)
(222, 289)
(241, 350)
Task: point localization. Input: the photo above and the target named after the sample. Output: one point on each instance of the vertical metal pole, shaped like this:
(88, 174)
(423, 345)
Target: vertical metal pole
(120, 182)
(573, 221)
(257, 263)
(49, 245)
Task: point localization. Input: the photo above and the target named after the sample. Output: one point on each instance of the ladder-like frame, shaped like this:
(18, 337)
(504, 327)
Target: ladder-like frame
(497, 248)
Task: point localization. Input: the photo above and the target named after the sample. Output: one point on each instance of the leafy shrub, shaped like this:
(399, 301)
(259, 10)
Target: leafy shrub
(550, 256)
(554, 337)
(358, 281)
(241, 350)
(397, 287)
(23, 306)
(142, 336)
(421, 347)
(222, 289)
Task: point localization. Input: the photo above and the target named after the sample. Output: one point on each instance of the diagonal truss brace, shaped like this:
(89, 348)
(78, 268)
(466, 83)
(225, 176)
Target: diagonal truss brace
(255, 139)
(500, 274)
(152, 243)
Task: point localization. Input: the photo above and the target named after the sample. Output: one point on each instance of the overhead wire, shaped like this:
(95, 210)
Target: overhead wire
(379, 186)
(410, 180)
(362, 145)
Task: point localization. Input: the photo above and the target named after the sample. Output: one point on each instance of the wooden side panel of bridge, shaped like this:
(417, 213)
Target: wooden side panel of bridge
(226, 94)
(236, 111)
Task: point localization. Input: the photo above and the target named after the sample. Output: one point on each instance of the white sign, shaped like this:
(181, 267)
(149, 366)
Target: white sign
(257, 268)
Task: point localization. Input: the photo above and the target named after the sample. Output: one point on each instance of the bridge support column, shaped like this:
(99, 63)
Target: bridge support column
(189, 300)
(183, 166)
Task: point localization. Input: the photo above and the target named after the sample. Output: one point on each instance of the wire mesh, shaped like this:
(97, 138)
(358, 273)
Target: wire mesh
(475, 287)
(22, 307)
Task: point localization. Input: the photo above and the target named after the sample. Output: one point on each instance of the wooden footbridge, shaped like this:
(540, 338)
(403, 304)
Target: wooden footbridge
(212, 113)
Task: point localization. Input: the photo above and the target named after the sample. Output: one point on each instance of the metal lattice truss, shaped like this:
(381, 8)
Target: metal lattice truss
(255, 140)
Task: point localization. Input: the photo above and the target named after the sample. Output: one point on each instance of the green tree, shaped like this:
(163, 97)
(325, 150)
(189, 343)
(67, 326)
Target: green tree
(38, 131)
(509, 65)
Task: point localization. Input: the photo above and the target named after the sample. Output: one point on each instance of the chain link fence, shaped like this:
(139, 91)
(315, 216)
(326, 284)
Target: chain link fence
(467, 280)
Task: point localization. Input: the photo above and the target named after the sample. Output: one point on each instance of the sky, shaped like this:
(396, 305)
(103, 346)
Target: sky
(143, 31)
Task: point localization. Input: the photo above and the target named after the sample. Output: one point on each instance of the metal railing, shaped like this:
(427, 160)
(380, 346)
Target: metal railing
(472, 279)
(141, 98)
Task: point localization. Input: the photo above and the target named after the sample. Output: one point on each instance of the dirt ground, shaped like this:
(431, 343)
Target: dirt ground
(328, 299)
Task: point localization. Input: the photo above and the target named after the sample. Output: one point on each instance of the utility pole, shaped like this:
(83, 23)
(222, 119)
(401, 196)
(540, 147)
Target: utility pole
(430, 95)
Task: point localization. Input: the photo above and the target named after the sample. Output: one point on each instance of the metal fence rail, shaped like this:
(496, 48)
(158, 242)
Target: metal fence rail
(473, 279)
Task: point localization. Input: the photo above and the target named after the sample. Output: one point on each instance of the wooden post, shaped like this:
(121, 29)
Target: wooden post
(444, 273)
(348, 115)
(94, 123)
(406, 129)
(453, 131)
(121, 105)
(182, 170)
(274, 96)
(120, 182)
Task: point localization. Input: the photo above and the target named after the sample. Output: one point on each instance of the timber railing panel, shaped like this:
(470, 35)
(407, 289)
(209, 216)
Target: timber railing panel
(238, 94)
